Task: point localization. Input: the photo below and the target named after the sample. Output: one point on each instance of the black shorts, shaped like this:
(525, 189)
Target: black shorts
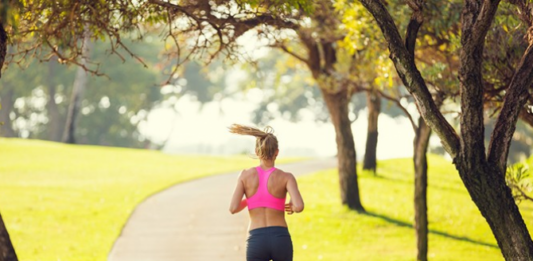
(269, 243)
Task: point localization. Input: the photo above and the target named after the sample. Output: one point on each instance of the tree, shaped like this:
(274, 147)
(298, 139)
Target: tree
(374, 109)
(435, 57)
(115, 105)
(277, 24)
(7, 93)
(420, 162)
(55, 121)
(420, 144)
(483, 174)
(80, 84)
(203, 30)
(4, 117)
(130, 89)
(371, 72)
(7, 252)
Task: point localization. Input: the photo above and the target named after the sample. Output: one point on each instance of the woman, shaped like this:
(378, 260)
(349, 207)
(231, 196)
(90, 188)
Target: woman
(265, 188)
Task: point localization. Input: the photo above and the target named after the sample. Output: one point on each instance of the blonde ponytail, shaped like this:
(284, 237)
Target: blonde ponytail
(266, 144)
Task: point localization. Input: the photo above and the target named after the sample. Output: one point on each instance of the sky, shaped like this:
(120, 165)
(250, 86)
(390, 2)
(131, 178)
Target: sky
(204, 130)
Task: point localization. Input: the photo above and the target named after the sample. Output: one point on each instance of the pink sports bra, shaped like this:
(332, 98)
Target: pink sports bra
(262, 198)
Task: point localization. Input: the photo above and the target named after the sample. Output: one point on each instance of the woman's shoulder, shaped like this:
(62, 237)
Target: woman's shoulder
(284, 174)
(248, 172)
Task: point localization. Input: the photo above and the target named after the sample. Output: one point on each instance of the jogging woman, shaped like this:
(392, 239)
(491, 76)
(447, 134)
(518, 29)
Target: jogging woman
(265, 188)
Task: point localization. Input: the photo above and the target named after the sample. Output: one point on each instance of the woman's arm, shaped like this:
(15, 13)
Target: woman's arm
(237, 202)
(297, 203)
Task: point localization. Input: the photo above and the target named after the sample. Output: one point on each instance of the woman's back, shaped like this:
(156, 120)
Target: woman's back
(276, 186)
(265, 189)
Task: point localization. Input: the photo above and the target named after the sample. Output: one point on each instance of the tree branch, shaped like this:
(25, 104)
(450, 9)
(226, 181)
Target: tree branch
(519, 193)
(399, 104)
(293, 54)
(215, 31)
(313, 51)
(168, 5)
(241, 25)
(476, 19)
(405, 66)
(514, 100)
(414, 25)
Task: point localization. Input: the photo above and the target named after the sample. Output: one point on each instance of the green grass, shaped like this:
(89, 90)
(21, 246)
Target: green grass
(328, 231)
(64, 202)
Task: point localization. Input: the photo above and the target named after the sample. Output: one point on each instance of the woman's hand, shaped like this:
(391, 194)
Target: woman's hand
(288, 208)
(296, 203)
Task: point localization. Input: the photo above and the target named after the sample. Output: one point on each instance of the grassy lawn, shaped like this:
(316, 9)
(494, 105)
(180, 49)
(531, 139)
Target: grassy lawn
(328, 231)
(63, 202)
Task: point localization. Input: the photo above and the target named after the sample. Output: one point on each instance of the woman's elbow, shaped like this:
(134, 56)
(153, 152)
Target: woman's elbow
(232, 210)
(298, 208)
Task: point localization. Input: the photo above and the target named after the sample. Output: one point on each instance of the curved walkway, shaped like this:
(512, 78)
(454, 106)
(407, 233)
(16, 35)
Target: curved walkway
(191, 222)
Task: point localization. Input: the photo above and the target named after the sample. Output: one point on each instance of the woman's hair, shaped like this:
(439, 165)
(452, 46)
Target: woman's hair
(266, 143)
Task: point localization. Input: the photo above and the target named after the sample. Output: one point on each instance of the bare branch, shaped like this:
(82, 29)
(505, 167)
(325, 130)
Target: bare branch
(399, 104)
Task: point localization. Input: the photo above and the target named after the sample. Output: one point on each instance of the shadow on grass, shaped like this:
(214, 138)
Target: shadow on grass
(431, 185)
(435, 232)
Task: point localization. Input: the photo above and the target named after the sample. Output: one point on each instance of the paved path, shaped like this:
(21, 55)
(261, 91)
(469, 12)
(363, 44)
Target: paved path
(191, 221)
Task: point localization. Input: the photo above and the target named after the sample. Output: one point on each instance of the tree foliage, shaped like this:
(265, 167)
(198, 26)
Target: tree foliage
(55, 29)
(519, 180)
(112, 109)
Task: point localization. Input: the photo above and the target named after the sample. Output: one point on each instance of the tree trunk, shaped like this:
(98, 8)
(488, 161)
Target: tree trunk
(3, 46)
(7, 252)
(484, 176)
(6, 94)
(486, 185)
(374, 109)
(54, 122)
(421, 182)
(80, 83)
(337, 104)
